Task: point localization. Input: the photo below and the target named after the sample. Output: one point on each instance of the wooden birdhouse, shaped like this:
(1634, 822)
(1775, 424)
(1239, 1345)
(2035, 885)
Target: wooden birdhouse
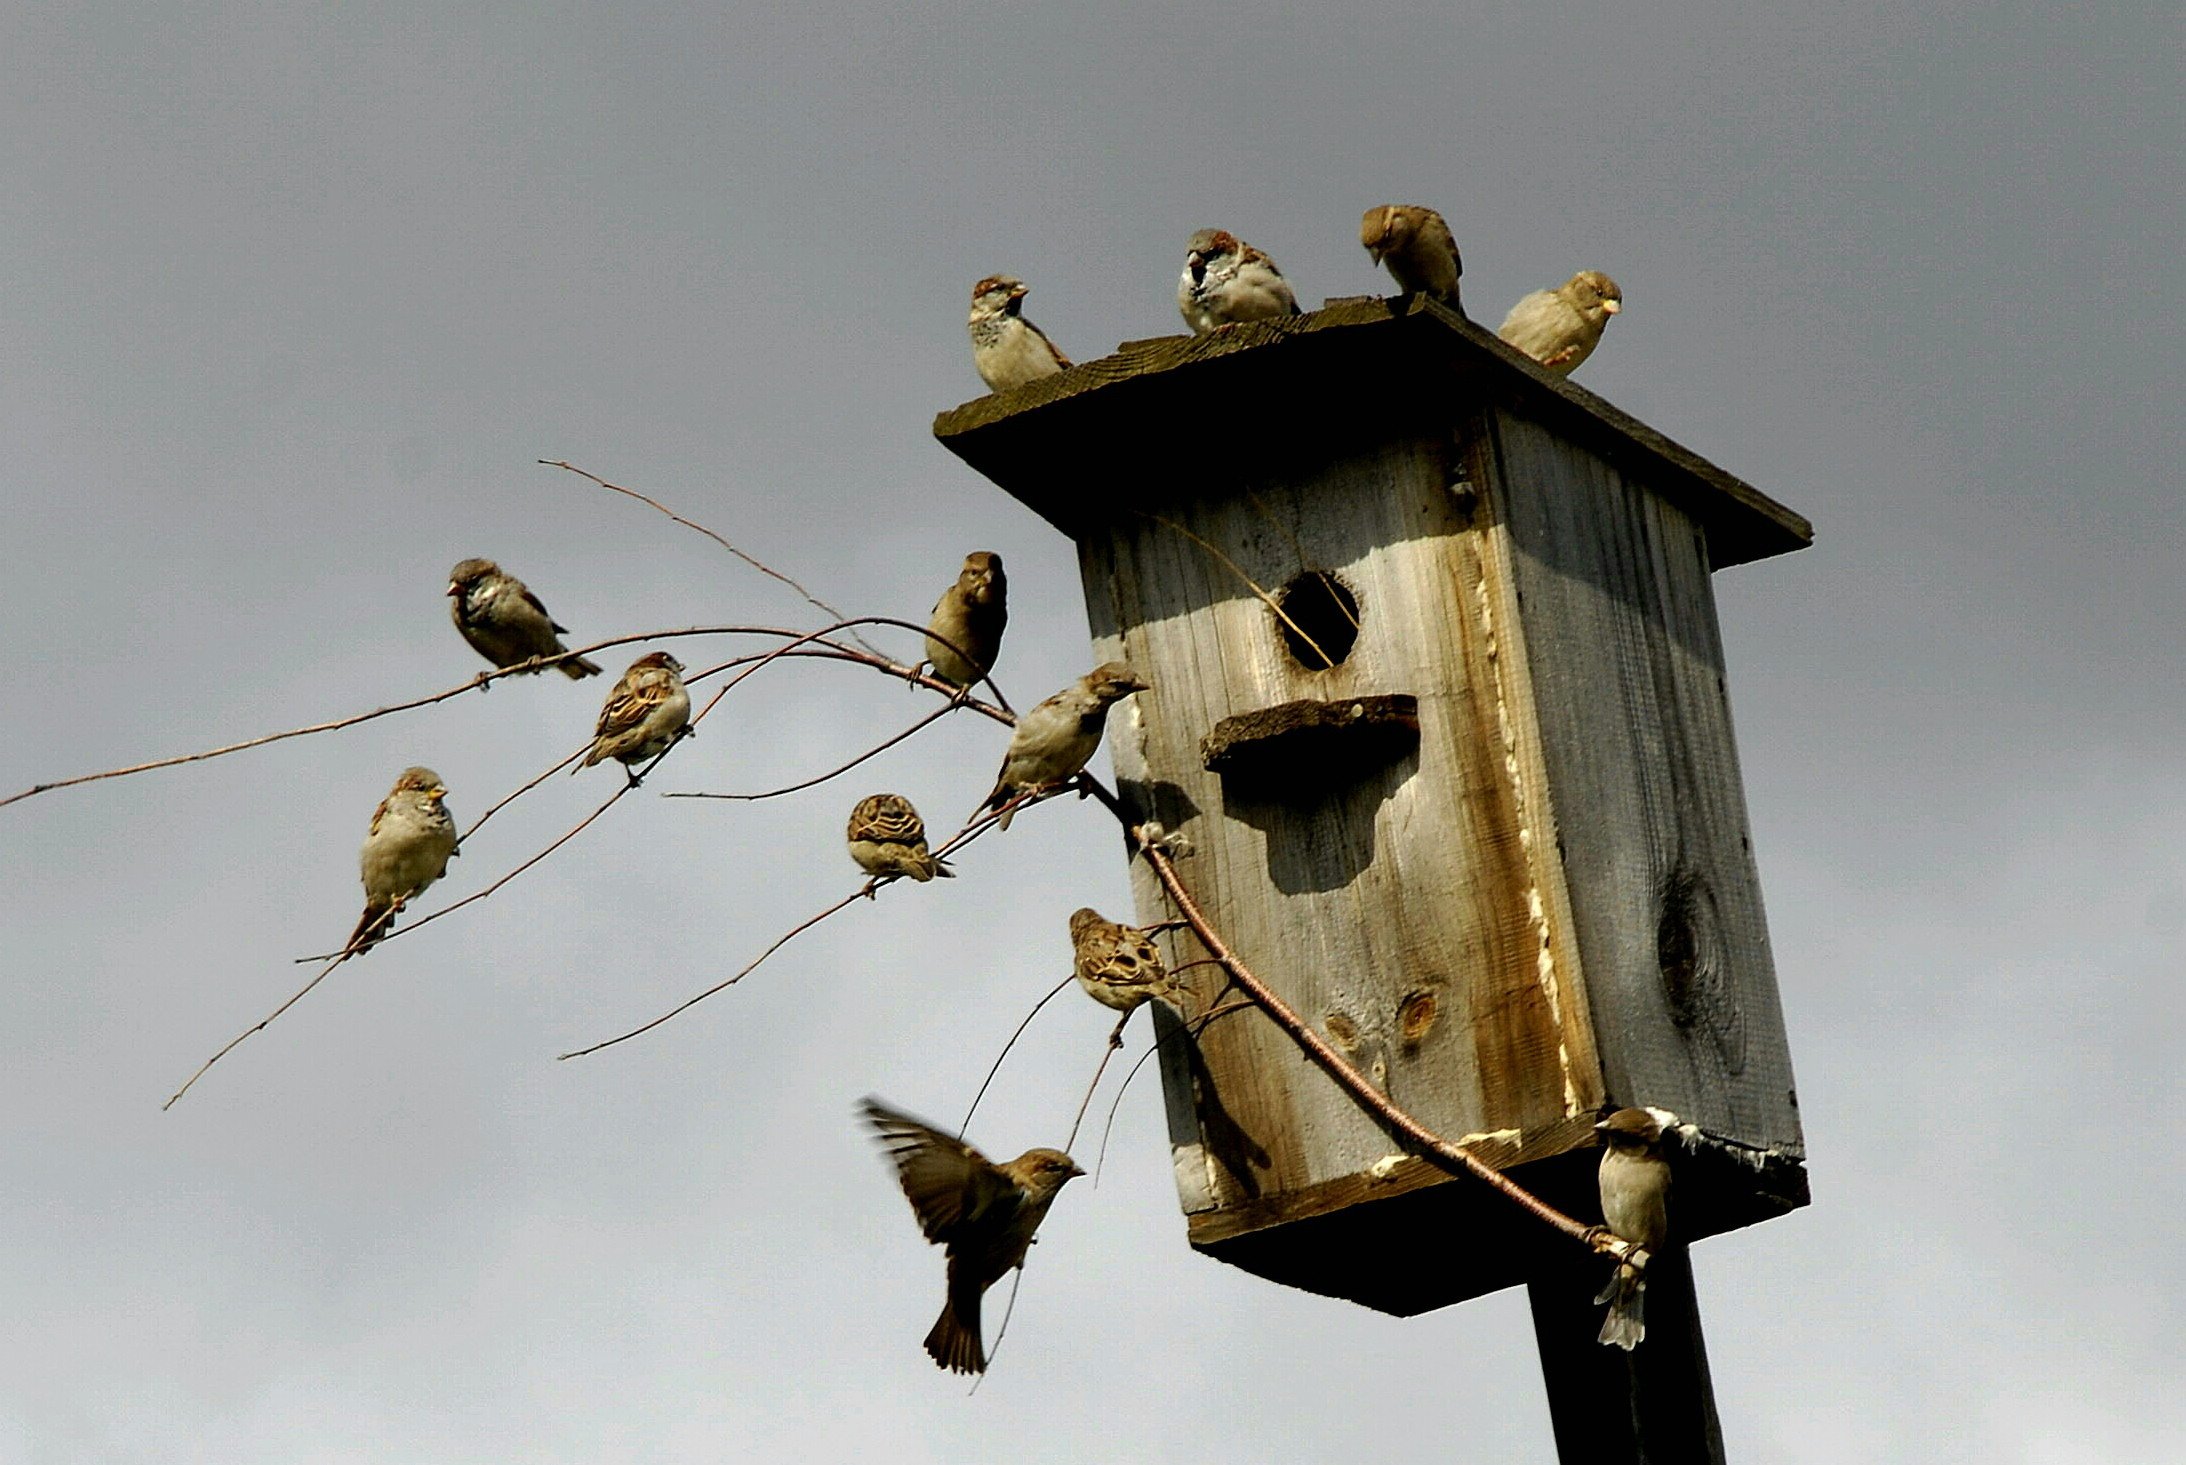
(1438, 700)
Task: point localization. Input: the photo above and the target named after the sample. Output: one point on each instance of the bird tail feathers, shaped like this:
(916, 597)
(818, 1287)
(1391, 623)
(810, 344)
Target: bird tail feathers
(577, 668)
(954, 1342)
(1625, 1325)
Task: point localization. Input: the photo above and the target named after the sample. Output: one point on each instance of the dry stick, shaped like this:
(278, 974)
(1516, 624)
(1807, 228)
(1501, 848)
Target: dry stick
(355, 947)
(1017, 1280)
(1453, 1157)
(482, 679)
(869, 887)
(1254, 585)
(996, 1067)
(1191, 1027)
(873, 752)
(761, 566)
(1108, 1051)
(1298, 546)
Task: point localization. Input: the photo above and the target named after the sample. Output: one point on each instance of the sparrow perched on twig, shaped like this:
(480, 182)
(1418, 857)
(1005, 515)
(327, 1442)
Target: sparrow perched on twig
(412, 839)
(1226, 280)
(888, 838)
(1060, 736)
(982, 1212)
(1007, 349)
(1561, 327)
(964, 634)
(1119, 966)
(504, 621)
(1416, 246)
(644, 715)
(1635, 1186)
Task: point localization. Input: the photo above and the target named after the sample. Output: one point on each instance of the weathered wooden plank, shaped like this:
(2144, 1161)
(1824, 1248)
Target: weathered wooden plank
(1642, 773)
(1315, 372)
(1401, 909)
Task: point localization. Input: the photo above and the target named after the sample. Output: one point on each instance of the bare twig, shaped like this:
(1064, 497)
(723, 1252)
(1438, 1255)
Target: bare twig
(996, 1067)
(872, 752)
(1453, 1157)
(1254, 585)
(760, 565)
(1191, 1027)
(1108, 1051)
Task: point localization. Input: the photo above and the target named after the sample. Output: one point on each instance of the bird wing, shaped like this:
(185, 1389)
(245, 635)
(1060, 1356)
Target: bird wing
(380, 813)
(1124, 957)
(887, 819)
(633, 701)
(534, 602)
(948, 1183)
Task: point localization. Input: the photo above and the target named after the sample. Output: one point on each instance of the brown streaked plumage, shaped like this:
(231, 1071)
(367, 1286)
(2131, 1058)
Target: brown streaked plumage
(888, 838)
(504, 621)
(984, 1214)
(1120, 966)
(412, 838)
(1008, 350)
(1415, 245)
(964, 634)
(648, 710)
(1060, 736)
(1635, 1191)
(1226, 281)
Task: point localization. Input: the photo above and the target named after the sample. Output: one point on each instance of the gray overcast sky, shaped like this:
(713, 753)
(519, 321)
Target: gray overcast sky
(295, 298)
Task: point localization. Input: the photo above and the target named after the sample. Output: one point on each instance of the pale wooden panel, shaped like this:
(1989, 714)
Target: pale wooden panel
(1626, 665)
(1408, 881)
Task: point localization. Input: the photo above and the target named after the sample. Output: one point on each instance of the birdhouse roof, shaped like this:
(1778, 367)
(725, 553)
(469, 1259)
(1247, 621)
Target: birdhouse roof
(1181, 414)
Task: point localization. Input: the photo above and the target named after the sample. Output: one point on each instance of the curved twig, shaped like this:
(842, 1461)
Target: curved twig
(758, 564)
(1190, 1027)
(996, 1066)
(869, 753)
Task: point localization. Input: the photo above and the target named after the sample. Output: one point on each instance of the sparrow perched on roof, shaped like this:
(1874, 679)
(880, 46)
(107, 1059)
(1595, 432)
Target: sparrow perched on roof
(645, 714)
(982, 1212)
(1060, 736)
(1635, 1186)
(504, 621)
(1226, 280)
(410, 843)
(888, 838)
(1415, 245)
(964, 634)
(1119, 966)
(1007, 349)
(1561, 327)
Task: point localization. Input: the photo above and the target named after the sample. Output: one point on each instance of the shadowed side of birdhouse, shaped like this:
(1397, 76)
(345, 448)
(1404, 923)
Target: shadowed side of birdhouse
(1437, 700)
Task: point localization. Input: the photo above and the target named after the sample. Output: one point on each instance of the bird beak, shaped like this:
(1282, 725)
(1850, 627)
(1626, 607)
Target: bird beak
(454, 589)
(1611, 307)
(1019, 293)
(436, 793)
(1076, 1168)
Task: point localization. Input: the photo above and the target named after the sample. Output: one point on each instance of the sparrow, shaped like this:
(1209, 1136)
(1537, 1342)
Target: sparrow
(408, 847)
(1226, 280)
(1007, 349)
(644, 715)
(982, 1212)
(1561, 327)
(1415, 245)
(964, 634)
(1059, 737)
(504, 621)
(1635, 1185)
(1119, 966)
(888, 838)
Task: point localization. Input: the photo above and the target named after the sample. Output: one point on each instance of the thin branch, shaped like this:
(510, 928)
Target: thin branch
(355, 947)
(1298, 546)
(1254, 585)
(996, 1067)
(869, 753)
(1017, 1280)
(1453, 1157)
(1191, 1027)
(760, 565)
(1108, 1051)
(746, 970)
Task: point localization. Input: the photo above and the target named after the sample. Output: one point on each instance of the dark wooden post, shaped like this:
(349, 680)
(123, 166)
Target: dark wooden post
(1652, 1406)
(1437, 696)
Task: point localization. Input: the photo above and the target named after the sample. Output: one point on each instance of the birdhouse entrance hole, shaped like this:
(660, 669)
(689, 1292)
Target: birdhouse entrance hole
(1319, 619)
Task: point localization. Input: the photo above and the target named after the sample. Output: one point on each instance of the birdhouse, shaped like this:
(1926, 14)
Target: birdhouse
(1437, 698)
